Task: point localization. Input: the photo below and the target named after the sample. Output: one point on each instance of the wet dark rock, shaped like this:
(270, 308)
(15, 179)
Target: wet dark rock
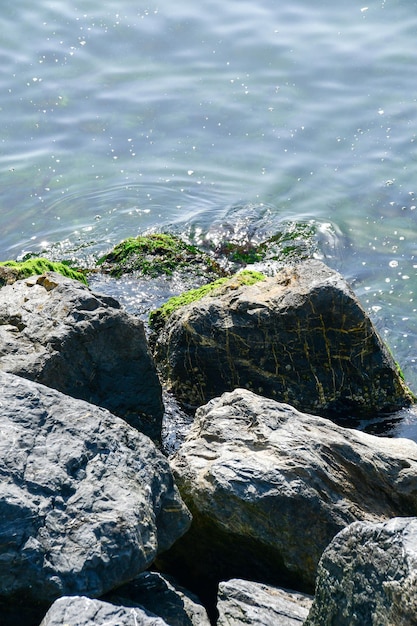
(56, 331)
(86, 501)
(242, 602)
(368, 576)
(251, 233)
(161, 596)
(83, 611)
(269, 488)
(300, 337)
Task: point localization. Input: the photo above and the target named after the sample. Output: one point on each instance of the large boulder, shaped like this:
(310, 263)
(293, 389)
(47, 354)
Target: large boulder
(368, 576)
(243, 602)
(86, 501)
(301, 337)
(269, 488)
(55, 331)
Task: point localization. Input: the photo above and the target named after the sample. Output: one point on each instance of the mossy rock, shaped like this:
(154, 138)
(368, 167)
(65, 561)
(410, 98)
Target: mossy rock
(158, 317)
(158, 254)
(294, 243)
(10, 271)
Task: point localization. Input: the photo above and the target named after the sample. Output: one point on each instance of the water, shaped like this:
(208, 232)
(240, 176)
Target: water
(120, 117)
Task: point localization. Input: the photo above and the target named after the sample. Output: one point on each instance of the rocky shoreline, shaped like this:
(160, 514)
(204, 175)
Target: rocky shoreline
(270, 511)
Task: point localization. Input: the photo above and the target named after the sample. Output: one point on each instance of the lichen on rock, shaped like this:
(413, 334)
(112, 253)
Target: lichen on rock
(367, 575)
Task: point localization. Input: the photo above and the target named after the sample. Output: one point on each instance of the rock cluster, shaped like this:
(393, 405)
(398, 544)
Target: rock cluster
(264, 502)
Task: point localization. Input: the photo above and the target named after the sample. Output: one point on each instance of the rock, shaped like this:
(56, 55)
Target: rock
(269, 488)
(300, 337)
(81, 611)
(160, 595)
(11, 271)
(250, 233)
(243, 602)
(57, 332)
(86, 501)
(157, 254)
(367, 576)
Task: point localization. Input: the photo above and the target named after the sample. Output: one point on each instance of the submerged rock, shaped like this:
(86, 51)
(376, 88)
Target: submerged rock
(242, 602)
(300, 337)
(252, 233)
(269, 487)
(368, 576)
(86, 501)
(57, 332)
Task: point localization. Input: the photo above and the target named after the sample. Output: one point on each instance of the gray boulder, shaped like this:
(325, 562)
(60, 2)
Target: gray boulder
(55, 331)
(82, 611)
(161, 596)
(242, 602)
(301, 337)
(368, 576)
(86, 501)
(269, 488)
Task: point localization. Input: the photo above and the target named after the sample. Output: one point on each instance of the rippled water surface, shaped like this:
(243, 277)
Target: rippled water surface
(118, 117)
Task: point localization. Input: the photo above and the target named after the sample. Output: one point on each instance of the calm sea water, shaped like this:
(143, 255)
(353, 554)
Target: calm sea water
(118, 117)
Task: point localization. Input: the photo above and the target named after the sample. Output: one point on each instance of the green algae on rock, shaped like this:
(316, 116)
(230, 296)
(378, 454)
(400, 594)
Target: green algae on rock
(294, 242)
(300, 337)
(157, 254)
(10, 271)
(158, 317)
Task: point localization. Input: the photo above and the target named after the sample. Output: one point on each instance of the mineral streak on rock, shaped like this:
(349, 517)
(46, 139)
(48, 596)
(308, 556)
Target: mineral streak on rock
(301, 337)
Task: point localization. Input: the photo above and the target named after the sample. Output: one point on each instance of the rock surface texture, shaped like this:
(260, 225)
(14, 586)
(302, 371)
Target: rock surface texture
(82, 611)
(57, 332)
(368, 576)
(269, 488)
(86, 501)
(300, 337)
(242, 602)
(161, 596)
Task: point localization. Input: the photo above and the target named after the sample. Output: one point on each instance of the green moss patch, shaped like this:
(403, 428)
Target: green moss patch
(10, 271)
(158, 317)
(157, 254)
